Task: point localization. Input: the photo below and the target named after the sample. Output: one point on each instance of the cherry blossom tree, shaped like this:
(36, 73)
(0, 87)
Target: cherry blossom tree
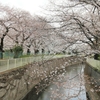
(21, 29)
(78, 22)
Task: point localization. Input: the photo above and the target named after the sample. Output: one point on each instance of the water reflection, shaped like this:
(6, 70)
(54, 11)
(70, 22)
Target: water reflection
(66, 86)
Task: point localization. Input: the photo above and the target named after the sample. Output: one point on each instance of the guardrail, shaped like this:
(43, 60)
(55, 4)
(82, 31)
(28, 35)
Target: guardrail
(14, 63)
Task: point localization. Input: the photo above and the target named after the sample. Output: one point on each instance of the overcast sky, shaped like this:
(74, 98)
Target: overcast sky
(33, 6)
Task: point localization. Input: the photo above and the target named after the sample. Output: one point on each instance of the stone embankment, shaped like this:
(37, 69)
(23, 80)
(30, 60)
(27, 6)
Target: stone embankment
(16, 83)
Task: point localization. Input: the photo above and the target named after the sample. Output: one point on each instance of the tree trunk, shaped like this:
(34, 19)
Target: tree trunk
(36, 51)
(28, 51)
(1, 47)
(1, 54)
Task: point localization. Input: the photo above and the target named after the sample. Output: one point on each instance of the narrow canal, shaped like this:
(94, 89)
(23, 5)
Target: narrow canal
(69, 85)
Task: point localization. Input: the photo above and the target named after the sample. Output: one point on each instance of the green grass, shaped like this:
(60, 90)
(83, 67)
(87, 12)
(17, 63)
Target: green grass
(23, 56)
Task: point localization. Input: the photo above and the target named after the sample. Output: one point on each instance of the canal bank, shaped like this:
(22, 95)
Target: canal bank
(92, 82)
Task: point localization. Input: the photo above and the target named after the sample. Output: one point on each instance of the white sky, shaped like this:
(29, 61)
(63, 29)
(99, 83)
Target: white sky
(33, 6)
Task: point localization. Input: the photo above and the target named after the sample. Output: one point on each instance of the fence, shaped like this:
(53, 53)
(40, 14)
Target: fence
(14, 63)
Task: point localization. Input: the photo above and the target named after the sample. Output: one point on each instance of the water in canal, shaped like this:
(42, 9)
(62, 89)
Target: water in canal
(68, 85)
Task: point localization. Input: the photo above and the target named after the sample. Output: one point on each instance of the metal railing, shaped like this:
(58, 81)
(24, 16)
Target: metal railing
(14, 63)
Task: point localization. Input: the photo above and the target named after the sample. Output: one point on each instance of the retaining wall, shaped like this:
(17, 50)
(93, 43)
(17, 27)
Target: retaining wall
(92, 85)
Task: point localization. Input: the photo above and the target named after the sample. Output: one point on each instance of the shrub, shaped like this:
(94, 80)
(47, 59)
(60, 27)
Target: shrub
(18, 50)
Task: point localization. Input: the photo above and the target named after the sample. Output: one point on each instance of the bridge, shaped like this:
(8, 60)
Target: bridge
(16, 83)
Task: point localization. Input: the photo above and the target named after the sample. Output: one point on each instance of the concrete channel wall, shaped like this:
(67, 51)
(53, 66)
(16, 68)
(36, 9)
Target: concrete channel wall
(92, 83)
(16, 83)
(93, 73)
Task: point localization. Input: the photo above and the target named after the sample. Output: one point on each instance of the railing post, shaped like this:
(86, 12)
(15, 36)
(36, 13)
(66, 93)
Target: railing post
(8, 64)
(27, 60)
(15, 63)
(21, 62)
(30, 60)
